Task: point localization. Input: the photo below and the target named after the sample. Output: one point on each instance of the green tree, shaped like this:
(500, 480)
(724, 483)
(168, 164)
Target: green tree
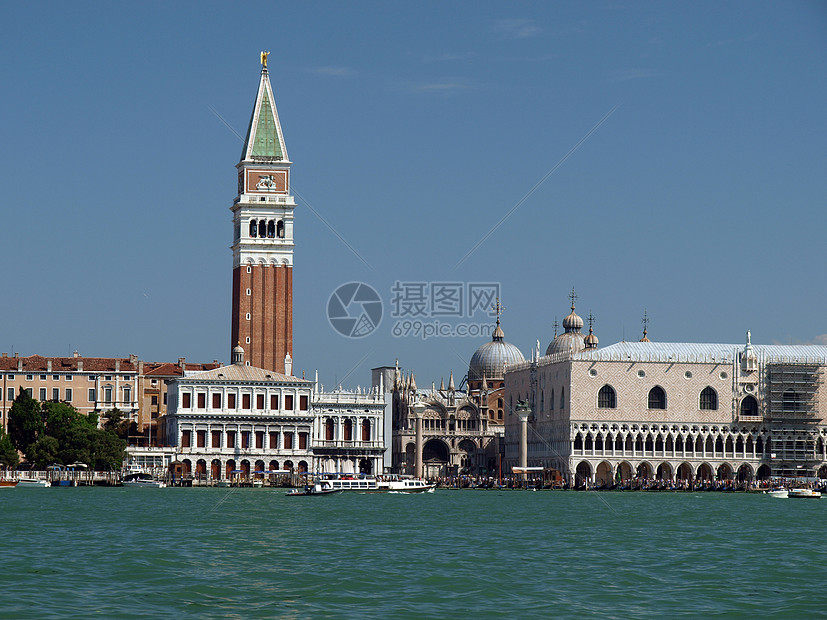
(25, 422)
(106, 450)
(43, 452)
(61, 418)
(8, 454)
(117, 424)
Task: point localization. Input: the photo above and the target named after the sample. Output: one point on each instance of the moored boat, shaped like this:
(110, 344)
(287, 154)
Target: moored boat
(33, 482)
(143, 480)
(8, 484)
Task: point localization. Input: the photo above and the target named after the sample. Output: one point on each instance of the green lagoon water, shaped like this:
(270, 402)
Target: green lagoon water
(254, 553)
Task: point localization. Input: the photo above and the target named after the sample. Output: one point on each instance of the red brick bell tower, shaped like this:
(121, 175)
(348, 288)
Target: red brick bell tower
(262, 321)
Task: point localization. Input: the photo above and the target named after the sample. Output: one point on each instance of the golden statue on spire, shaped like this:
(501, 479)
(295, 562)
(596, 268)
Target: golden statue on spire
(264, 56)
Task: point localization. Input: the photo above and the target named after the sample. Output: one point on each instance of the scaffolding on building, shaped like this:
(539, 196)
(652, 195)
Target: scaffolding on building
(792, 390)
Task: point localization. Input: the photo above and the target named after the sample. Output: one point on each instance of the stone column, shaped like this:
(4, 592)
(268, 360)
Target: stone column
(418, 410)
(523, 439)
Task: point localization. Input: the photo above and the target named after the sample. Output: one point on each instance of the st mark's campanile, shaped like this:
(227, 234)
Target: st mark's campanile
(263, 240)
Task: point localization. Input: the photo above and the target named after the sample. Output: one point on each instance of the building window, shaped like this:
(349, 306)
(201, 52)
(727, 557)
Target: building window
(154, 400)
(186, 400)
(55, 394)
(248, 316)
(127, 395)
(288, 441)
(230, 401)
(562, 397)
(68, 398)
(248, 292)
(107, 395)
(216, 439)
(91, 395)
(302, 441)
(249, 269)
(259, 440)
(10, 394)
(288, 402)
(231, 439)
(68, 377)
(709, 399)
(274, 441)
(274, 402)
(216, 401)
(260, 402)
(185, 439)
(303, 403)
(749, 406)
(366, 430)
(107, 378)
(247, 340)
(245, 401)
(42, 377)
(42, 393)
(202, 400)
(791, 401)
(201, 438)
(91, 377)
(657, 398)
(245, 440)
(29, 377)
(607, 398)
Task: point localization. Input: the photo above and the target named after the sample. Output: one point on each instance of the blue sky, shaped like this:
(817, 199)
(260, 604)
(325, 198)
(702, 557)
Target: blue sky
(696, 190)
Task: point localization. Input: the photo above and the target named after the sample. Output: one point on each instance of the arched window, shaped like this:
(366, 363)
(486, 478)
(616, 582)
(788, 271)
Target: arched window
(328, 430)
(366, 430)
(280, 229)
(657, 398)
(348, 430)
(551, 402)
(253, 228)
(271, 229)
(709, 399)
(562, 398)
(749, 406)
(607, 398)
(262, 229)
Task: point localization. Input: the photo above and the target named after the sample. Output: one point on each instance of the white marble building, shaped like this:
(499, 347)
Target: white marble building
(237, 420)
(671, 411)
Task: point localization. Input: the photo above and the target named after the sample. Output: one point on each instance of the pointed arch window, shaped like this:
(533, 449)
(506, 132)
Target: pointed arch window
(657, 398)
(709, 399)
(562, 398)
(749, 406)
(607, 397)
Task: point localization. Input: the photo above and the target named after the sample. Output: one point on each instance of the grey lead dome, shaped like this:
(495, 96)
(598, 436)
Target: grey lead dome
(490, 359)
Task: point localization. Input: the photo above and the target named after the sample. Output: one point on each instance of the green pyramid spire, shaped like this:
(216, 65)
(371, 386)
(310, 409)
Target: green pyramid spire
(264, 140)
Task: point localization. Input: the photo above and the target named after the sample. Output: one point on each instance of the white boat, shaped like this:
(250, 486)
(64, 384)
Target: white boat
(315, 489)
(349, 482)
(804, 493)
(780, 493)
(409, 485)
(143, 480)
(33, 482)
